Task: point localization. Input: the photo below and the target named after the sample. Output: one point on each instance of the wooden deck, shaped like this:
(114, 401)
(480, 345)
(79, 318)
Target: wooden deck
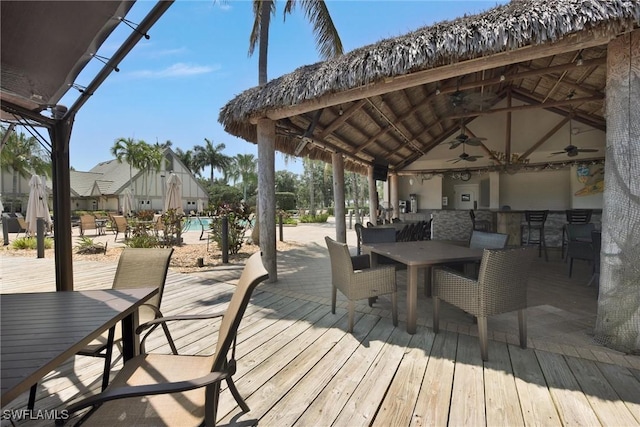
(298, 366)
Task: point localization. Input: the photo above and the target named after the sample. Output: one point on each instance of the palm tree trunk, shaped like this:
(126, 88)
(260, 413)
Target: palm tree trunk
(265, 19)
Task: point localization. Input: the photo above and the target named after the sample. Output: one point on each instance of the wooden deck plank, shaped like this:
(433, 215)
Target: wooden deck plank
(535, 399)
(500, 388)
(297, 366)
(329, 403)
(281, 381)
(626, 386)
(397, 407)
(362, 406)
(467, 396)
(601, 395)
(573, 406)
(282, 351)
(434, 398)
(301, 396)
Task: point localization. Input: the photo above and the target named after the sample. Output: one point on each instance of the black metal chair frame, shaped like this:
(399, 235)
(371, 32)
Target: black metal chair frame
(535, 221)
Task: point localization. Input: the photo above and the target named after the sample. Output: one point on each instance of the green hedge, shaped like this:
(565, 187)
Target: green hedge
(285, 201)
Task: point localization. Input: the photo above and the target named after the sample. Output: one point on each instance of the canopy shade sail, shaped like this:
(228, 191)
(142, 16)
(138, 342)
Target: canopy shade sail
(57, 49)
(45, 46)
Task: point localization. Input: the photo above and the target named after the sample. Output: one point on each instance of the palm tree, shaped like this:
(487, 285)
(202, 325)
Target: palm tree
(128, 150)
(188, 160)
(164, 145)
(151, 157)
(24, 157)
(327, 41)
(211, 156)
(246, 165)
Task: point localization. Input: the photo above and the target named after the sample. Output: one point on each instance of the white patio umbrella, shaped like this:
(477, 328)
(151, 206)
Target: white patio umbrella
(200, 206)
(37, 205)
(173, 199)
(127, 202)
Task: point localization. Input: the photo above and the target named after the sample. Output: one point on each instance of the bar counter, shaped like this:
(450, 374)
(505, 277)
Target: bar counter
(451, 224)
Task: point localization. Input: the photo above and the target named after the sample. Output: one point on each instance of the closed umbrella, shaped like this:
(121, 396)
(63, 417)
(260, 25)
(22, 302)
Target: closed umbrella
(199, 206)
(37, 205)
(127, 203)
(173, 200)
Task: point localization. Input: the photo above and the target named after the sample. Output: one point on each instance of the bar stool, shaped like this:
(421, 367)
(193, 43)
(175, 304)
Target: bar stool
(574, 216)
(535, 221)
(480, 224)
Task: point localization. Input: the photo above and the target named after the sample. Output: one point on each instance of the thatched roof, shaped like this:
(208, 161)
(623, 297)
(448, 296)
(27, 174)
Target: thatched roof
(505, 28)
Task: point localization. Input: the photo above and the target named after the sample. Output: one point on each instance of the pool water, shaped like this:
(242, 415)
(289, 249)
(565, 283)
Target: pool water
(196, 224)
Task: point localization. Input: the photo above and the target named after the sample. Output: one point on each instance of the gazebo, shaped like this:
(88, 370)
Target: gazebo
(388, 105)
(45, 46)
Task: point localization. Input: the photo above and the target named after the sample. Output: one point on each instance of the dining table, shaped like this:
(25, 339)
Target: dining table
(416, 255)
(42, 330)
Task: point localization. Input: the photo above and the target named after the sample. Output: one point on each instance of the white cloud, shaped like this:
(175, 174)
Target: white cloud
(179, 69)
(168, 52)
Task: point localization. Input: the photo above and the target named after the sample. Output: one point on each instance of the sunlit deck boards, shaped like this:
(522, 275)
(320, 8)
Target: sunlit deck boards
(298, 366)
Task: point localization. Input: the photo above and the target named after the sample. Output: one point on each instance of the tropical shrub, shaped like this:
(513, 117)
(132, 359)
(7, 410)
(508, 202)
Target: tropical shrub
(146, 215)
(142, 241)
(314, 218)
(286, 218)
(86, 246)
(31, 243)
(172, 230)
(239, 219)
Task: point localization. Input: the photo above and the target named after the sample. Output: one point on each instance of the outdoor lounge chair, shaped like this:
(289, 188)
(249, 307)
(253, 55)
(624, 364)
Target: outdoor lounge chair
(23, 227)
(120, 225)
(501, 287)
(177, 390)
(87, 222)
(359, 284)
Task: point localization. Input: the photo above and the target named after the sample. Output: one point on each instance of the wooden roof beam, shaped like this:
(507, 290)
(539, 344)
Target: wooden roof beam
(533, 106)
(342, 119)
(545, 138)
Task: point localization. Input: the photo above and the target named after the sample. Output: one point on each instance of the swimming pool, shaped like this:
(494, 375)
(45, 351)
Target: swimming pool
(196, 223)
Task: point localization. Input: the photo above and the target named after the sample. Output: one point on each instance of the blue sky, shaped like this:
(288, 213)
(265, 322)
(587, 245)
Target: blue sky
(172, 86)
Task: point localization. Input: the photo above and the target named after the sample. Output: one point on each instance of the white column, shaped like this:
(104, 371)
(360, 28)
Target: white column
(373, 205)
(393, 191)
(338, 197)
(494, 190)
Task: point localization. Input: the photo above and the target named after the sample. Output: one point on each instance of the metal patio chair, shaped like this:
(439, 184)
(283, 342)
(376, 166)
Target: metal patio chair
(173, 389)
(137, 268)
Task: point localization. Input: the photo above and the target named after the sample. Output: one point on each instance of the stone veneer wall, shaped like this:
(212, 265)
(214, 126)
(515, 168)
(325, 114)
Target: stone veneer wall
(452, 224)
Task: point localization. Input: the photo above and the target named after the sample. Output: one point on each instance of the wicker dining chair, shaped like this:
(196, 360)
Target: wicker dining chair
(501, 287)
(359, 284)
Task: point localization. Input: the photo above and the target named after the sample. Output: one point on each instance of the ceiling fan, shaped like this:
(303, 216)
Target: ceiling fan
(463, 138)
(571, 150)
(464, 156)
